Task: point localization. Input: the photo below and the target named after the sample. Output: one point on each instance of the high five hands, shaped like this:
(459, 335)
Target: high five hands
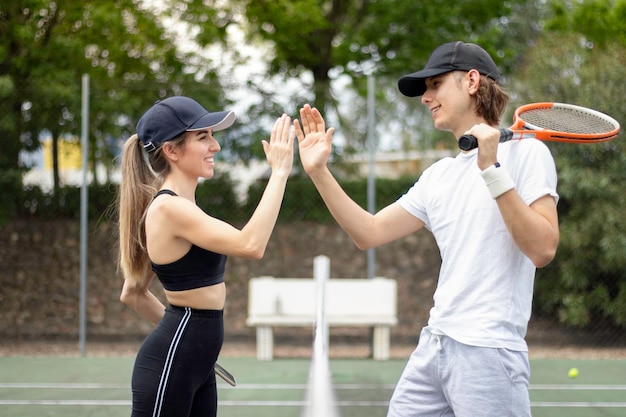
(314, 140)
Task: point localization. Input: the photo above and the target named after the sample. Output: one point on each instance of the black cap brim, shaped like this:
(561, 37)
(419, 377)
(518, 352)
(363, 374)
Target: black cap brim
(413, 85)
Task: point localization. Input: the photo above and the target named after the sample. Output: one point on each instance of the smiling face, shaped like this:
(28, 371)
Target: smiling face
(448, 98)
(198, 156)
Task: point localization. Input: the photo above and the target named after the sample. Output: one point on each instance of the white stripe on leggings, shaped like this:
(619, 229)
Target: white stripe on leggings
(158, 404)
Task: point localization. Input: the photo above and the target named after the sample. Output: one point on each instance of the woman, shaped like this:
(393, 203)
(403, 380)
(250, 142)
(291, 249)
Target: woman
(164, 232)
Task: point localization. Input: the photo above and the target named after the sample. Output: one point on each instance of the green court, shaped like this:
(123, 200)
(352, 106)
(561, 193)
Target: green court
(99, 387)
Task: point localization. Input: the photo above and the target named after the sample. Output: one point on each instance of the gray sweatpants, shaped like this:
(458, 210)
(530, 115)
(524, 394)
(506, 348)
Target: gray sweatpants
(445, 378)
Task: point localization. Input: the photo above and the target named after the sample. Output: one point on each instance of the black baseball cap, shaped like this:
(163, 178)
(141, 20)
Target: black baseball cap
(171, 117)
(452, 56)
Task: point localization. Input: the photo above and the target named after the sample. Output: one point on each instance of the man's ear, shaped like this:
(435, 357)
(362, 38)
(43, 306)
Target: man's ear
(473, 79)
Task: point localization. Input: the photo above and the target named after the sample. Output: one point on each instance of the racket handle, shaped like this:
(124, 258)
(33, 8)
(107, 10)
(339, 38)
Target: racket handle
(224, 374)
(468, 142)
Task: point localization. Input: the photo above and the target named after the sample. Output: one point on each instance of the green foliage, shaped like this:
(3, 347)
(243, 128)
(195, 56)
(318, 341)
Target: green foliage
(333, 39)
(349, 34)
(585, 283)
(302, 202)
(218, 198)
(11, 192)
(601, 21)
(387, 190)
(66, 203)
(132, 61)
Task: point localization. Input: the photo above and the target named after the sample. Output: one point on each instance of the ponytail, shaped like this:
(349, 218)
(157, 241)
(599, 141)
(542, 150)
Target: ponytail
(137, 189)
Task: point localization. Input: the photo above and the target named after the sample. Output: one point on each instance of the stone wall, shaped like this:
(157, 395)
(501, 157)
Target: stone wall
(40, 277)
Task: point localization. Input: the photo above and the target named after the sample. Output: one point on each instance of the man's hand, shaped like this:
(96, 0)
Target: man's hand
(315, 142)
(488, 139)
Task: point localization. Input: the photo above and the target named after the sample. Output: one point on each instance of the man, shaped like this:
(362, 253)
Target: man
(492, 211)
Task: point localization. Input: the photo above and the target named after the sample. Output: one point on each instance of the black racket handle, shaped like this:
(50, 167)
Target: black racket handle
(467, 142)
(224, 374)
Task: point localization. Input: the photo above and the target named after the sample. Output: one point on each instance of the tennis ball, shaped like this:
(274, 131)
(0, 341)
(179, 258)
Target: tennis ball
(573, 373)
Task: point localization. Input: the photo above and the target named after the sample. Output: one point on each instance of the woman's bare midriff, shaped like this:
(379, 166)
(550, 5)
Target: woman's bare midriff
(204, 298)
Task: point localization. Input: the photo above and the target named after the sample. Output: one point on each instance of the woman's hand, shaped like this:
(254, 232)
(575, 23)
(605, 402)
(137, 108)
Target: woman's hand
(279, 150)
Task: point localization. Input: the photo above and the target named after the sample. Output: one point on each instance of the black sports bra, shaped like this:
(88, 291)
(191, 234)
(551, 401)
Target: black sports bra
(197, 268)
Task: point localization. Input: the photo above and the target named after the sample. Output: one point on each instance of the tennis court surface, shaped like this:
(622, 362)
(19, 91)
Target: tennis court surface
(99, 387)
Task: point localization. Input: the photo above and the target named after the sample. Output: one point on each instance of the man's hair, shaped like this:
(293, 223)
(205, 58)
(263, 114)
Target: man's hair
(490, 99)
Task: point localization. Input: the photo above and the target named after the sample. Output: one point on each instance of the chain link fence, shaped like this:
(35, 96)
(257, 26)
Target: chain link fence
(39, 257)
(39, 250)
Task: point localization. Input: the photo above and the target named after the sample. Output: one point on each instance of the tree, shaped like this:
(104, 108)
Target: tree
(601, 21)
(149, 64)
(580, 60)
(331, 39)
(45, 48)
(586, 283)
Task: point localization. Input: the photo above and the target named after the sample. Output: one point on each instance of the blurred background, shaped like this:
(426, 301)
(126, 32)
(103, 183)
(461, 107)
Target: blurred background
(263, 58)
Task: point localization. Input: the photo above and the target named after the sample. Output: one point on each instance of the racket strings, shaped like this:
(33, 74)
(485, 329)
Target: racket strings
(567, 120)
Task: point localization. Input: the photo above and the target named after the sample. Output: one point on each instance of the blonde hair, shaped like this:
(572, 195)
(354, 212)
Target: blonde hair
(141, 178)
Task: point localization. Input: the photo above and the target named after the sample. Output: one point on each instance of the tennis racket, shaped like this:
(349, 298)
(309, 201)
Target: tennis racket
(224, 374)
(556, 122)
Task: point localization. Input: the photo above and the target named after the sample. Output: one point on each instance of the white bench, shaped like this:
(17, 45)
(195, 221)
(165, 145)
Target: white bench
(291, 302)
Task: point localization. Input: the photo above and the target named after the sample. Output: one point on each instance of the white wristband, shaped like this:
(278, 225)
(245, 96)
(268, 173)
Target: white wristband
(498, 181)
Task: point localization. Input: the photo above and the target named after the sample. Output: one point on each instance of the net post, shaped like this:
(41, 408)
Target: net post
(321, 273)
(320, 398)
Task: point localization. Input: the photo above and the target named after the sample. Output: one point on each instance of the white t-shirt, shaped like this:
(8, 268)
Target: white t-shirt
(485, 287)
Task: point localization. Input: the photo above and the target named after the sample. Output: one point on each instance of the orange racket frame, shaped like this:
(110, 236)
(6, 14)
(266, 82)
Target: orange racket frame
(557, 122)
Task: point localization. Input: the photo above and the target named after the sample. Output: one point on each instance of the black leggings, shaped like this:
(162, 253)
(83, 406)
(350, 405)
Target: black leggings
(173, 373)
